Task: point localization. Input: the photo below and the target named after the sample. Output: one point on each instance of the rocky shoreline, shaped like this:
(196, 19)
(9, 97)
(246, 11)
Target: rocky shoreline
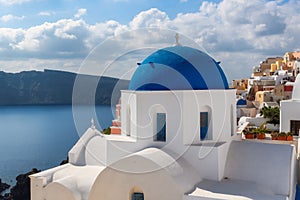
(3, 187)
(20, 191)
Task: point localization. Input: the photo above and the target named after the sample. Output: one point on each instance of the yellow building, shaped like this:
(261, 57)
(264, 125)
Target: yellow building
(240, 84)
(289, 60)
(263, 96)
(269, 66)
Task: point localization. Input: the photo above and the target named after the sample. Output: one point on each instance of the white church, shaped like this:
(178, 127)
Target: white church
(177, 141)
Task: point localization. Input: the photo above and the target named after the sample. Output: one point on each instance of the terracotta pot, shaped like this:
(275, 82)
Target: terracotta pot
(289, 138)
(249, 136)
(261, 136)
(274, 137)
(281, 137)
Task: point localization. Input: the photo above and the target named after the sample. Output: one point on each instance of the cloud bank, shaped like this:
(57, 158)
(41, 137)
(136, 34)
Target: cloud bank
(238, 33)
(12, 2)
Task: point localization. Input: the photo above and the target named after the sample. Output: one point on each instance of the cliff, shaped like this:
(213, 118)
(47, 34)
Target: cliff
(54, 87)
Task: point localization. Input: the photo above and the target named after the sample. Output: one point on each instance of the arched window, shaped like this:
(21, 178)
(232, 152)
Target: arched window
(137, 196)
(136, 193)
(203, 125)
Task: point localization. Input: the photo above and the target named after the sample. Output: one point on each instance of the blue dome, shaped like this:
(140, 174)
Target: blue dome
(241, 102)
(178, 68)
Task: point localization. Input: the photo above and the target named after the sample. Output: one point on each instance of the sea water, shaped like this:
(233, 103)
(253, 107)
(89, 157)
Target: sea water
(41, 136)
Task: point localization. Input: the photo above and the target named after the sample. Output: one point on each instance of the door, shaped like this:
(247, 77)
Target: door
(295, 126)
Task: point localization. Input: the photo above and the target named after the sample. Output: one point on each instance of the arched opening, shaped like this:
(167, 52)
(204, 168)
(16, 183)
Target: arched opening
(136, 194)
(203, 125)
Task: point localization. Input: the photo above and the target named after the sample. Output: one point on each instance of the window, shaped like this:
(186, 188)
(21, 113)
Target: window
(295, 126)
(138, 196)
(203, 125)
(160, 127)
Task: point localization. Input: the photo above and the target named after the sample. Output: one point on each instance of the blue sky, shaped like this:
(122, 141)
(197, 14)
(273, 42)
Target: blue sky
(98, 10)
(59, 34)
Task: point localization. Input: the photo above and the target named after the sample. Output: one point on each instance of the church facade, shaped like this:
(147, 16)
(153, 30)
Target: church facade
(178, 141)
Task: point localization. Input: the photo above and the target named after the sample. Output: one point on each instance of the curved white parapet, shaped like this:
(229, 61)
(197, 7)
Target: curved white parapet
(148, 170)
(67, 182)
(90, 149)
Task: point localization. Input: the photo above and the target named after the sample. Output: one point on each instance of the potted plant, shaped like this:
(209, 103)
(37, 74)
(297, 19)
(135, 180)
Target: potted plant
(289, 136)
(248, 134)
(272, 114)
(260, 134)
(274, 135)
(281, 136)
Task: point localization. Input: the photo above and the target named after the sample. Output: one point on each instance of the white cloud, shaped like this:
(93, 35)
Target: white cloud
(64, 38)
(7, 18)
(55, 39)
(44, 13)
(260, 28)
(150, 18)
(231, 25)
(208, 8)
(12, 2)
(80, 13)
(238, 33)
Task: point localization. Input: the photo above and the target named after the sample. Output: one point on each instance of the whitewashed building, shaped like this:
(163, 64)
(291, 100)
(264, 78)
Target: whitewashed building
(178, 141)
(290, 111)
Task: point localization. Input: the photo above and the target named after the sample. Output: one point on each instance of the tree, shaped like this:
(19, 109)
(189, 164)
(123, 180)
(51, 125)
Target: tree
(271, 113)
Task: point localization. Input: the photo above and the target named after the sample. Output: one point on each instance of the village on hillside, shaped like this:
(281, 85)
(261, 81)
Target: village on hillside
(262, 99)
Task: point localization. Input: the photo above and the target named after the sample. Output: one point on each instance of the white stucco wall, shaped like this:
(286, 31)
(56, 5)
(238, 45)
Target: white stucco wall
(138, 112)
(90, 149)
(182, 110)
(213, 155)
(66, 182)
(249, 160)
(153, 172)
(253, 121)
(116, 185)
(128, 114)
(183, 113)
(289, 110)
